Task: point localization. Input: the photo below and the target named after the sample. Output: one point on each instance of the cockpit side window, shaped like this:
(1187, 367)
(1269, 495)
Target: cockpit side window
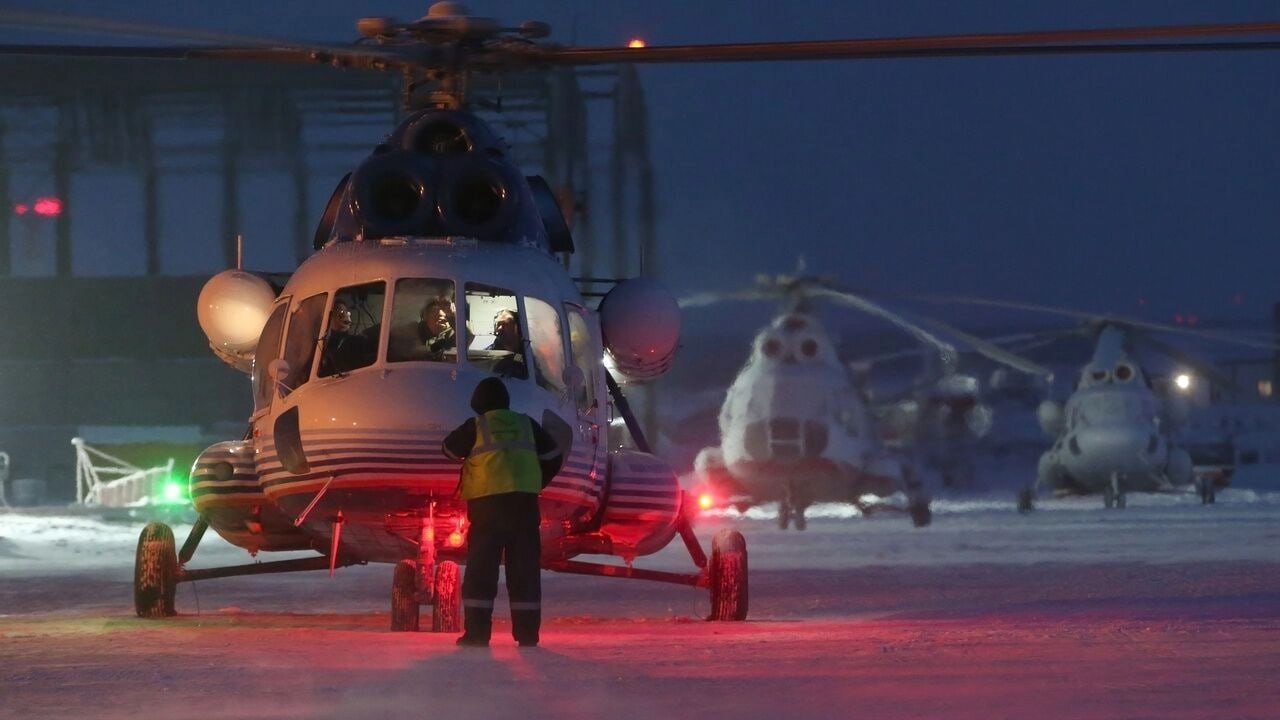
(350, 340)
(495, 331)
(584, 357)
(268, 350)
(547, 341)
(301, 339)
(423, 322)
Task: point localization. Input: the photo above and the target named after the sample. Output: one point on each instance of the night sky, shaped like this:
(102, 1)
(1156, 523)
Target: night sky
(1138, 184)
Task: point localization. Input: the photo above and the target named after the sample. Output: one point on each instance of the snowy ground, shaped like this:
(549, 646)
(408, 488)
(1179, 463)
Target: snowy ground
(1166, 609)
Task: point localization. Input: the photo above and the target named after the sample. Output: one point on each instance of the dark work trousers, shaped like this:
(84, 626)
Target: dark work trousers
(505, 524)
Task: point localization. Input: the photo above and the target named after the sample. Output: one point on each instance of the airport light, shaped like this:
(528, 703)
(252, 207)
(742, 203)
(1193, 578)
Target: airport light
(1182, 381)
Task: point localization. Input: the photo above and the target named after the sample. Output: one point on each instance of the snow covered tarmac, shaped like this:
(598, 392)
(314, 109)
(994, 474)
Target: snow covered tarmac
(1166, 609)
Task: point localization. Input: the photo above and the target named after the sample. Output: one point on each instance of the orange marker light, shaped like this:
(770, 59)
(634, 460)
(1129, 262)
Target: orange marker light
(455, 539)
(705, 501)
(636, 43)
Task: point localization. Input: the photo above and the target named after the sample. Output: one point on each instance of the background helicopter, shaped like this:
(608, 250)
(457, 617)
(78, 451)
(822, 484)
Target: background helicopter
(1118, 431)
(388, 218)
(796, 426)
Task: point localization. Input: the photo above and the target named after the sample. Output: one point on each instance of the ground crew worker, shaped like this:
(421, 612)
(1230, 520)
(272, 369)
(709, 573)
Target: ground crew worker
(507, 460)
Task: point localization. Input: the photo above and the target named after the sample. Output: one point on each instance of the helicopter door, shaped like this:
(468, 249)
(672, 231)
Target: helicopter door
(585, 353)
(301, 340)
(268, 350)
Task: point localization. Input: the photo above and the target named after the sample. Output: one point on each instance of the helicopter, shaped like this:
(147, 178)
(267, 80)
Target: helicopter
(345, 461)
(1117, 433)
(797, 427)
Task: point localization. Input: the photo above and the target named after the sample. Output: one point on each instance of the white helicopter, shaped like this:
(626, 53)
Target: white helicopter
(1116, 434)
(795, 428)
(342, 453)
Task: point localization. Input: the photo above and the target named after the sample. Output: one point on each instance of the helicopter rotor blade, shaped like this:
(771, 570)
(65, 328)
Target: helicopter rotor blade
(1179, 38)
(712, 298)
(1093, 318)
(993, 351)
(945, 349)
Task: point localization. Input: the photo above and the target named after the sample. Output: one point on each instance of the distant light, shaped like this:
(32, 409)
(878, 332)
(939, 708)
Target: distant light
(705, 501)
(636, 43)
(48, 206)
(21, 209)
(1182, 381)
(172, 491)
(1264, 388)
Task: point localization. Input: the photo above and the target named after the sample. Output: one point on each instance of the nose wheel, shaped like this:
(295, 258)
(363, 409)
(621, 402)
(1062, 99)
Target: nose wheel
(155, 572)
(444, 594)
(1113, 495)
(728, 576)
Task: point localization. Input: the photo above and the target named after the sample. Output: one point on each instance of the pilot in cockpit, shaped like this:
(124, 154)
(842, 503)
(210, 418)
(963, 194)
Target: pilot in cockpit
(343, 350)
(436, 329)
(507, 338)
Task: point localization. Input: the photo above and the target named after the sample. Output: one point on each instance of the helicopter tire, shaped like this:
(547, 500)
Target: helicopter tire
(446, 611)
(404, 597)
(1206, 491)
(784, 516)
(919, 510)
(155, 572)
(728, 576)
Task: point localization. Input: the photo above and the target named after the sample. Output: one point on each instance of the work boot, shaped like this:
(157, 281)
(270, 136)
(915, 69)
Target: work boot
(478, 623)
(525, 625)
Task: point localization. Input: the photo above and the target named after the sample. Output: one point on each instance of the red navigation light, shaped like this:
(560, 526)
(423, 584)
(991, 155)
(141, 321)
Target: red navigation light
(21, 209)
(48, 206)
(705, 501)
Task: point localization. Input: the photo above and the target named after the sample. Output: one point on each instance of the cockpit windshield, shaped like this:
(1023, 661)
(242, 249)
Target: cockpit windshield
(423, 322)
(495, 338)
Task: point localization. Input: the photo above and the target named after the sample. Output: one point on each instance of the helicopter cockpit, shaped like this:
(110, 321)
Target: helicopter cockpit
(415, 324)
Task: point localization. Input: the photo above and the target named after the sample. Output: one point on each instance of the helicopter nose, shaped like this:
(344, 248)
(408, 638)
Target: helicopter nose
(785, 439)
(1114, 449)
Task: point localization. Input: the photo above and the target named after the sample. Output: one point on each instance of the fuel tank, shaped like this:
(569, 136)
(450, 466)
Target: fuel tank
(226, 492)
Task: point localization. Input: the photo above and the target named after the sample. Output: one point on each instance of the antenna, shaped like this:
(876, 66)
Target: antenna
(239, 251)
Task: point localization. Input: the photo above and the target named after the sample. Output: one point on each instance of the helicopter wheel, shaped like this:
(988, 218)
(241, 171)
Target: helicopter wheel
(728, 576)
(784, 515)
(446, 611)
(919, 510)
(1026, 500)
(404, 597)
(155, 572)
(1207, 493)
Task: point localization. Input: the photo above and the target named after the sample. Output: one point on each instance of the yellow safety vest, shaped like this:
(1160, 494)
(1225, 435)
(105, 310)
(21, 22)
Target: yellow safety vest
(504, 459)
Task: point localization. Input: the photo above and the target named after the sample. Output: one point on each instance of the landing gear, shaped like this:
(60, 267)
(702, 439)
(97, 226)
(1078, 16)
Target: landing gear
(446, 611)
(728, 576)
(1026, 500)
(1206, 490)
(444, 594)
(784, 515)
(918, 509)
(404, 597)
(1113, 495)
(155, 572)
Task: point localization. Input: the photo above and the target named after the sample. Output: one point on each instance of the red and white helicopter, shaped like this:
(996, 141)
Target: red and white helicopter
(342, 455)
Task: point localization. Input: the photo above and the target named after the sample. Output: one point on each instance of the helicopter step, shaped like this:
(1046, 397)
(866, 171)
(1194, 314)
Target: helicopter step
(228, 495)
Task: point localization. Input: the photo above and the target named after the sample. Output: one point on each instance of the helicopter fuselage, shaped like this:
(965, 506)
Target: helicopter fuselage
(358, 452)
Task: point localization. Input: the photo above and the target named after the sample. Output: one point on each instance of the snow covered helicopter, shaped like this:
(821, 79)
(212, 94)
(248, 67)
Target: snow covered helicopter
(342, 453)
(796, 427)
(1116, 434)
